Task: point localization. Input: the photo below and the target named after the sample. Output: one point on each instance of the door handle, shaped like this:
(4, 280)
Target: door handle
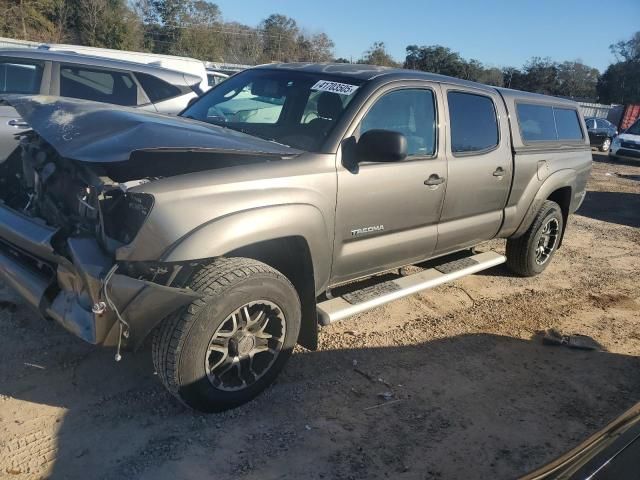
(18, 123)
(499, 172)
(434, 180)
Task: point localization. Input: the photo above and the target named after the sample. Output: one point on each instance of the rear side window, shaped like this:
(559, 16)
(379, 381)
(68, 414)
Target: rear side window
(20, 76)
(106, 86)
(547, 123)
(156, 89)
(536, 122)
(474, 125)
(567, 124)
(410, 112)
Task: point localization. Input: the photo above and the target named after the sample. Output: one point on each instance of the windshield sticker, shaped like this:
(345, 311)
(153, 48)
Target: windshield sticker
(335, 87)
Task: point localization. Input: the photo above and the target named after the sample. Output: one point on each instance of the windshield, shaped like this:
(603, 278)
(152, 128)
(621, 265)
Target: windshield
(634, 129)
(289, 107)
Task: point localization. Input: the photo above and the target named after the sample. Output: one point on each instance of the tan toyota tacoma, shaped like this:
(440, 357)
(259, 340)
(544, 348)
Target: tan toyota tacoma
(230, 232)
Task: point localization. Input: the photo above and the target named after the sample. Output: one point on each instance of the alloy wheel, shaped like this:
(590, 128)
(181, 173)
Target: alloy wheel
(245, 345)
(547, 240)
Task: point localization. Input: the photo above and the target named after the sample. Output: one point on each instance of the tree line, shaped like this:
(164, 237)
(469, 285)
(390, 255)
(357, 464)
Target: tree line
(620, 83)
(195, 28)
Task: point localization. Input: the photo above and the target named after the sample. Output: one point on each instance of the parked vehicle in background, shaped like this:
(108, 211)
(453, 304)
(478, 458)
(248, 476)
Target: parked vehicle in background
(612, 453)
(214, 77)
(188, 65)
(601, 132)
(231, 233)
(627, 144)
(32, 71)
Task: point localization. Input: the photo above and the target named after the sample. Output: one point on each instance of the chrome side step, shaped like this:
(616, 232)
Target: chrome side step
(370, 297)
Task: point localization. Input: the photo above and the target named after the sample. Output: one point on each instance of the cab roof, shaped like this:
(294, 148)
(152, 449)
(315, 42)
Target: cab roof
(373, 72)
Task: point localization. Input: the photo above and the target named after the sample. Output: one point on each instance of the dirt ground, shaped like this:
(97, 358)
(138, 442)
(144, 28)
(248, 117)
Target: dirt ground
(452, 383)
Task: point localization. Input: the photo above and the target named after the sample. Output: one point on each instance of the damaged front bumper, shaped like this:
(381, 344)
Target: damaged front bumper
(71, 288)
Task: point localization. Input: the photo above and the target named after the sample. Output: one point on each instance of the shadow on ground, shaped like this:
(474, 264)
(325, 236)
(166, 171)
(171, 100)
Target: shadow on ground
(481, 406)
(603, 157)
(622, 208)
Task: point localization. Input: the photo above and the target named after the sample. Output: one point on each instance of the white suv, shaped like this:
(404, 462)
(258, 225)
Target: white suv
(627, 144)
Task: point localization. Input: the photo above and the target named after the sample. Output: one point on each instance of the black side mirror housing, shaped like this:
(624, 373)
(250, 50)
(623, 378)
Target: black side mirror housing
(381, 146)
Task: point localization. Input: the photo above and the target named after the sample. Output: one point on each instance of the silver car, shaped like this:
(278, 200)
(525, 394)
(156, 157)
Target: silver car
(67, 74)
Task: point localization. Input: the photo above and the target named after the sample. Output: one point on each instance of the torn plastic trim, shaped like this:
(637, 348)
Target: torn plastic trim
(69, 293)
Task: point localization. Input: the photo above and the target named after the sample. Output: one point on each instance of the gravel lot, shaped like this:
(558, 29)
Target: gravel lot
(461, 384)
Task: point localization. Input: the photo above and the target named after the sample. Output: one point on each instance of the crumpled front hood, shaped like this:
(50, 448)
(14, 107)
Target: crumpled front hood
(103, 133)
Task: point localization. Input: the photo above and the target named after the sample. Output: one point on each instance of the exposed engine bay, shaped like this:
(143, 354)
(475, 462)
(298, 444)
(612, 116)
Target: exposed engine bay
(62, 221)
(78, 199)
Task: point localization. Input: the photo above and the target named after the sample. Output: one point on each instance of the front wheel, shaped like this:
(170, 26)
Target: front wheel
(227, 347)
(531, 253)
(606, 145)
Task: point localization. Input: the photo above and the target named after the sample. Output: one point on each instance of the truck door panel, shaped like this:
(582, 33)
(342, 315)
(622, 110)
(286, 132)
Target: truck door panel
(386, 215)
(480, 168)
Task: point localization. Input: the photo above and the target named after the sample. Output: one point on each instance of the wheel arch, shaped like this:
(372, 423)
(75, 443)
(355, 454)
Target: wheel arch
(562, 196)
(291, 257)
(293, 239)
(558, 187)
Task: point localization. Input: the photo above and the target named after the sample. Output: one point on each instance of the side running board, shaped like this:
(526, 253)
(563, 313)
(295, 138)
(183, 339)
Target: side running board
(367, 298)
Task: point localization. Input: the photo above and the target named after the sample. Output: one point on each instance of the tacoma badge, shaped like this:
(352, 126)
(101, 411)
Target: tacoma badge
(360, 231)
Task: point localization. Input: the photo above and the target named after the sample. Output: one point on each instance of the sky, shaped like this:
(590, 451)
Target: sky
(496, 32)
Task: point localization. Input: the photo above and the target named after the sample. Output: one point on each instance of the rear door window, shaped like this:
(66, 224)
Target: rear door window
(473, 122)
(18, 76)
(157, 89)
(98, 85)
(411, 112)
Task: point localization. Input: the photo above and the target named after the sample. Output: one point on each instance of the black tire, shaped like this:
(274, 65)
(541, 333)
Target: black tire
(606, 145)
(522, 251)
(181, 344)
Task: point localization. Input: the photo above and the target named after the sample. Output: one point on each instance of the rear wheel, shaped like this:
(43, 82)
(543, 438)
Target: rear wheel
(531, 253)
(230, 345)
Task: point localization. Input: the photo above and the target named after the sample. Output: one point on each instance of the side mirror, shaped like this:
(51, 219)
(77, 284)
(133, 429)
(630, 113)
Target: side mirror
(381, 146)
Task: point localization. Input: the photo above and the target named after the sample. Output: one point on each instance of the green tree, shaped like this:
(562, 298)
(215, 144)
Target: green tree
(541, 76)
(200, 35)
(105, 23)
(627, 50)
(491, 76)
(280, 38)
(377, 55)
(320, 48)
(435, 59)
(620, 83)
(28, 19)
(577, 80)
(241, 44)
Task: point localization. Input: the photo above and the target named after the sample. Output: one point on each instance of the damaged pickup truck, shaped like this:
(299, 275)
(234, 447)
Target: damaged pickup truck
(230, 233)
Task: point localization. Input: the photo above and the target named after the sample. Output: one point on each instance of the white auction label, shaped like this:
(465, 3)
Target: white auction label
(335, 87)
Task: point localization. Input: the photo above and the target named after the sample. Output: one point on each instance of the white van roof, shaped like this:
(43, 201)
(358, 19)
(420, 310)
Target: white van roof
(171, 62)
